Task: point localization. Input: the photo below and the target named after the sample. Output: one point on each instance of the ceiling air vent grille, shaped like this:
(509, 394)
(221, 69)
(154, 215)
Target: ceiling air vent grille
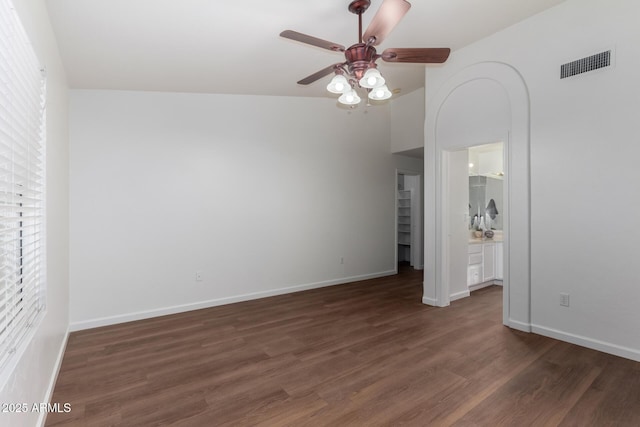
(584, 65)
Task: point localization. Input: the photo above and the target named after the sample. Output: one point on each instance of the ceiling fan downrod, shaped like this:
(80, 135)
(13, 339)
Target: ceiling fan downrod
(359, 7)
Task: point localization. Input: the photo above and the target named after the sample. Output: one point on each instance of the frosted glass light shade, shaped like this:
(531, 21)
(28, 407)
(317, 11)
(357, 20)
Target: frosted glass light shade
(349, 98)
(338, 84)
(371, 79)
(380, 94)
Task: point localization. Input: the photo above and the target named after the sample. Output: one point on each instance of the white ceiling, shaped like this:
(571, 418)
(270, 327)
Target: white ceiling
(232, 46)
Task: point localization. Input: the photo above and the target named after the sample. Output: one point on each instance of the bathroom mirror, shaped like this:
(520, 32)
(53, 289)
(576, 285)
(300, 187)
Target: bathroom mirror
(485, 199)
(486, 185)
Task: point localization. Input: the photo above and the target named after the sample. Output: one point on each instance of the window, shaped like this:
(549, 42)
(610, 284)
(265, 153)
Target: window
(22, 179)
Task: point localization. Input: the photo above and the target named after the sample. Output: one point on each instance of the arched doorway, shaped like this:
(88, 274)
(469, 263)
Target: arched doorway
(485, 102)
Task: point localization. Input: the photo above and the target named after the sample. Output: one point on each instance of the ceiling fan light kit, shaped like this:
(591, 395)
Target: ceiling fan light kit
(350, 97)
(372, 78)
(380, 94)
(360, 68)
(338, 84)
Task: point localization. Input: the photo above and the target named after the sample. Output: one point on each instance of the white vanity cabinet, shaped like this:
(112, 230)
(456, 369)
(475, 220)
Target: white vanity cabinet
(488, 261)
(499, 261)
(474, 271)
(485, 264)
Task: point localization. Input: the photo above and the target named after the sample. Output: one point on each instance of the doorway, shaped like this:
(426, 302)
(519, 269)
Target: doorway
(473, 211)
(409, 219)
(486, 101)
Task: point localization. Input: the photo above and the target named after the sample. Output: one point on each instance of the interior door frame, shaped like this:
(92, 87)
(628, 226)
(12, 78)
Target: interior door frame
(444, 298)
(419, 204)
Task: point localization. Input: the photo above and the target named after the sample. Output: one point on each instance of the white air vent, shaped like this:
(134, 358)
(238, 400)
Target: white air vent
(584, 65)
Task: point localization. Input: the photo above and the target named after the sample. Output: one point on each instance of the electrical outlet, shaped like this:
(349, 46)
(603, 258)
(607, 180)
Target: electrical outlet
(198, 276)
(564, 299)
(341, 260)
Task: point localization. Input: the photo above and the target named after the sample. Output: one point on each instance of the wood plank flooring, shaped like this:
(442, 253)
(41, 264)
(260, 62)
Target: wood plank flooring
(362, 354)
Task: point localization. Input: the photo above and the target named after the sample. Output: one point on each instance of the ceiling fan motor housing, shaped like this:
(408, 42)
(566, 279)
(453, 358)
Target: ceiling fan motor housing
(359, 6)
(359, 58)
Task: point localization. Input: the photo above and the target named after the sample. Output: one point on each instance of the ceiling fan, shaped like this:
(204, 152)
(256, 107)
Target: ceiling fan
(360, 68)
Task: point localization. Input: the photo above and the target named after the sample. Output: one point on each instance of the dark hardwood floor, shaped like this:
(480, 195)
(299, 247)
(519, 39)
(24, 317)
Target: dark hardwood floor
(363, 354)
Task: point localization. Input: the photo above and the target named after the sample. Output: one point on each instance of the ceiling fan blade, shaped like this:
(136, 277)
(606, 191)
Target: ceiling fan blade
(427, 55)
(319, 74)
(385, 19)
(314, 41)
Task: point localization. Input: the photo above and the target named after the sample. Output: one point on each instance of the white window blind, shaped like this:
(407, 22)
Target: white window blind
(22, 179)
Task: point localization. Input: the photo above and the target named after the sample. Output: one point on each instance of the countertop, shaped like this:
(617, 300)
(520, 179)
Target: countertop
(497, 238)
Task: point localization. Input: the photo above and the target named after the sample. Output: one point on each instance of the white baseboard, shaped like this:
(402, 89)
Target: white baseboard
(521, 326)
(605, 347)
(429, 301)
(54, 378)
(485, 284)
(459, 295)
(130, 317)
(480, 286)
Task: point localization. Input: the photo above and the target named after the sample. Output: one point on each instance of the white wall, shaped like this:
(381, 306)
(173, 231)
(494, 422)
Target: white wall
(407, 121)
(410, 164)
(490, 162)
(263, 195)
(456, 165)
(584, 192)
(34, 376)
